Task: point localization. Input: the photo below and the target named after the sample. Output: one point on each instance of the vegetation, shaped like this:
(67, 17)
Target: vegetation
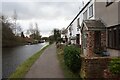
(72, 58)
(114, 66)
(51, 39)
(34, 32)
(45, 38)
(56, 36)
(25, 66)
(9, 38)
(67, 72)
(12, 34)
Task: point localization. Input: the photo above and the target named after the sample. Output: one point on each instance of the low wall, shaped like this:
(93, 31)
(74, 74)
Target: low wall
(94, 67)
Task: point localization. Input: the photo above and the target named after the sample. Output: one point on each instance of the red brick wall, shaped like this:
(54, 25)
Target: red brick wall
(94, 67)
(103, 39)
(90, 43)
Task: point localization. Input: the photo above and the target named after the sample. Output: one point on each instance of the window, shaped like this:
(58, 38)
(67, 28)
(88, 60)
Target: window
(78, 24)
(109, 2)
(119, 37)
(91, 11)
(85, 15)
(114, 37)
(78, 38)
(109, 38)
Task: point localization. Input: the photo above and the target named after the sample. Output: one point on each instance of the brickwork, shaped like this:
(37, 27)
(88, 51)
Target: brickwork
(94, 67)
(103, 39)
(90, 43)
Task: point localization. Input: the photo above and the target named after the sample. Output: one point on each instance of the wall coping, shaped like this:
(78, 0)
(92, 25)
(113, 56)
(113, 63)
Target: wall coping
(85, 57)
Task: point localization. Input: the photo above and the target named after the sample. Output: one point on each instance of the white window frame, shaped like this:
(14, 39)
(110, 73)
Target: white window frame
(91, 11)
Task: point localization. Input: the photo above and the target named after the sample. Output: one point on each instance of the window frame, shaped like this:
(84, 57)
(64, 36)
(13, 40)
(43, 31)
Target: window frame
(113, 32)
(91, 9)
(78, 24)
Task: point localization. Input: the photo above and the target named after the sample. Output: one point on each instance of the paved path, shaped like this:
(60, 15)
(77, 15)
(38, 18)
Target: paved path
(47, 66)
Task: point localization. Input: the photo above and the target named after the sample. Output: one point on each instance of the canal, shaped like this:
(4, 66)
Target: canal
(13, 57)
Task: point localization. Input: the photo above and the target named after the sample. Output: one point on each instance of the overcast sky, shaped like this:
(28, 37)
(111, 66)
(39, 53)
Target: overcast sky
(48, 15)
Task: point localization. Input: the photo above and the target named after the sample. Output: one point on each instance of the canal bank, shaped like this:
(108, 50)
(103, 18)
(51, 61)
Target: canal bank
(13, 57)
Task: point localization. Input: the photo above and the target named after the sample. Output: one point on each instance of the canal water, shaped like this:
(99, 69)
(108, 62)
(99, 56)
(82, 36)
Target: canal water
(13, 57)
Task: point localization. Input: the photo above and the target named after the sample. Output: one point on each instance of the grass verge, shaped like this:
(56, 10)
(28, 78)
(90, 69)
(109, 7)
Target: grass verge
(25, 66)
(67, 72)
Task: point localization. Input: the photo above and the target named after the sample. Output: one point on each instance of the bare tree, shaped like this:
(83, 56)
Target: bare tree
(31, 29)
(34, 31)
(37, 32)
(18, 30)
(15, 19)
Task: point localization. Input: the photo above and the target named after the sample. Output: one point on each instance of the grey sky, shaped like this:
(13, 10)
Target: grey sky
(48, 15)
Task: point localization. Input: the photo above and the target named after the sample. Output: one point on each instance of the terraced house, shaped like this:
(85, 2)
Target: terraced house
(97, 28)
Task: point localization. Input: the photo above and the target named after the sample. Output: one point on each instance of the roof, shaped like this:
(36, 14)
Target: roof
(94, 25)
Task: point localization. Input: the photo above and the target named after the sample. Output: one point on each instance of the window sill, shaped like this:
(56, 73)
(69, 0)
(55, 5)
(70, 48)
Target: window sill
(113, 48)
(108, 4)
(90, 16)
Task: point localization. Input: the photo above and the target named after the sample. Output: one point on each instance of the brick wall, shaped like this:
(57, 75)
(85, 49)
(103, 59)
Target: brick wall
(103, 39)
(94, 67)
(90, 43)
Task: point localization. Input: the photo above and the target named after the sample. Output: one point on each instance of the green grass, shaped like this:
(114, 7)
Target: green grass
(67, 72)
(25, 66)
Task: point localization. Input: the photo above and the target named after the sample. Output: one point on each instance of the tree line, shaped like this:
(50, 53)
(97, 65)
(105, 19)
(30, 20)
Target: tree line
(12, 34)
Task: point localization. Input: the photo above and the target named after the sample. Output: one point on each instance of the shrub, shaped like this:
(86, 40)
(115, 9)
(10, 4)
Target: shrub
(59, 45)
(72, 58)
(114, 66)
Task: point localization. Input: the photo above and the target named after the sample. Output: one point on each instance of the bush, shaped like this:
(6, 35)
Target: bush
(72, 58)
(114, 66)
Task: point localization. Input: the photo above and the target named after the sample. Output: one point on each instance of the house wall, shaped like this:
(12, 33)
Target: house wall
(110, 16)
(87, 8)
(68, 35)
(75, 30)
(119, 12)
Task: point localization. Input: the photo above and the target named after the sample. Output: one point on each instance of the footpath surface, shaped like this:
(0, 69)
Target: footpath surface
(47, 66)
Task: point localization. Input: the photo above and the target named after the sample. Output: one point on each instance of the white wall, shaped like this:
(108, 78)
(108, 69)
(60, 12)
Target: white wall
(87, 8)
(74, 25)
(113, 53)
(108, 14)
